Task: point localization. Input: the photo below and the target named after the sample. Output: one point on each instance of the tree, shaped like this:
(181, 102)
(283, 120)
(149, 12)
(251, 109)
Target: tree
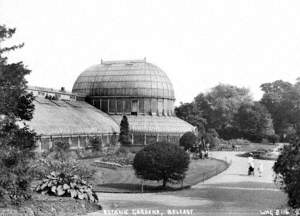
(189, 113)
(219, 106)
(16, 139)
(215, 109)
(287, 171)
(254, 122)
(282, 100)
(124, 138)
(161, 161)
(188, 141)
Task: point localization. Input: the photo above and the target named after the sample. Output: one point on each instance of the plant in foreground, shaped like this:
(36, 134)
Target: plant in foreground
(60, 184)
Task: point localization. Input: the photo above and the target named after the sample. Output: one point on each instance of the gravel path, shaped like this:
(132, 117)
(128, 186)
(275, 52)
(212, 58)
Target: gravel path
(238, 170)
(232, 192)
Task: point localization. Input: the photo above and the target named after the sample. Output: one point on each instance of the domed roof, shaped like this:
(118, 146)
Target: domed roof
(132, 78)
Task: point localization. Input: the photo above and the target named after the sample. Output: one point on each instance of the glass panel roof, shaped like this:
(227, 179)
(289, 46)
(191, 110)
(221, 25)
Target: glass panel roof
(133, 76)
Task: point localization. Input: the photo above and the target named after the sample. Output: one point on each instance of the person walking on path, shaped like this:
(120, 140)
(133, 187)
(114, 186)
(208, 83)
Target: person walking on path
(260, 169)
(251, 164)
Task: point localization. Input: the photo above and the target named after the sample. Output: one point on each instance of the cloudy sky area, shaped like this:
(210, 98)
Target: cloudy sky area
(197, 43)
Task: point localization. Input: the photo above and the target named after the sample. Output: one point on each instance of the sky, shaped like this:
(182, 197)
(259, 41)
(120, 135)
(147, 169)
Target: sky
(198, 43)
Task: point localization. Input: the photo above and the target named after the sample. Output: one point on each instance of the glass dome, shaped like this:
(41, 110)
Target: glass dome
(132, 78)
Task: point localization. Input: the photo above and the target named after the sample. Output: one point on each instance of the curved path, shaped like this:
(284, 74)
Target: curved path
(232, 192)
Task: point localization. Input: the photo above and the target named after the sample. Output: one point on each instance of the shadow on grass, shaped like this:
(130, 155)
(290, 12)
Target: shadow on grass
(136, 188)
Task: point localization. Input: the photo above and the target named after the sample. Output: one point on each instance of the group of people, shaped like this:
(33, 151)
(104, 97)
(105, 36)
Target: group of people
(251, 167)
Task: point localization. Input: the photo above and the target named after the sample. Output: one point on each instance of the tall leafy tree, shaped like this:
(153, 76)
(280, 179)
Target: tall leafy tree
(219, 106)
(216, 109)
(16, 139)
(282, 99)
(254, 122)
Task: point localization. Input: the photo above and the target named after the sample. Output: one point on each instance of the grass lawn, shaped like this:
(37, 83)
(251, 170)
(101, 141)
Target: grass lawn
(256, 146)
(124, 179)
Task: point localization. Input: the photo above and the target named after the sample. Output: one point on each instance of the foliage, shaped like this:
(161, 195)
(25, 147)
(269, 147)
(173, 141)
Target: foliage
(121, 156)
(161, 161)
(124, 137)
(60, 151)
(188, 141)
(62, 175)
(274, 138)
(189, 113)
(44, 166)
(215, 109)
(16, 139)
(212, 138)
(220, 105)
(253, 122)
(61, 184)
(282, 100)
(96, 143)
(287, 169)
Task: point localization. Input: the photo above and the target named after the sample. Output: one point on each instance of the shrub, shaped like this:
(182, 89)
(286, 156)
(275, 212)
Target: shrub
(60, 151)
(188, 141)
(60, 184)
(43, 167)
(287, 171)
(274, 138)
(96, 143)
(212, 138)
(16, 151)
(161, 161)
(122, 156)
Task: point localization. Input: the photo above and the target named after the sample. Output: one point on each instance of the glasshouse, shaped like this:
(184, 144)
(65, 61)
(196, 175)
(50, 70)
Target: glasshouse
(101, 96)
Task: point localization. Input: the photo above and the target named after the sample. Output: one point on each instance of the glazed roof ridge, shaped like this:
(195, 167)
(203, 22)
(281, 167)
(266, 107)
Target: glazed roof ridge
(124, 61)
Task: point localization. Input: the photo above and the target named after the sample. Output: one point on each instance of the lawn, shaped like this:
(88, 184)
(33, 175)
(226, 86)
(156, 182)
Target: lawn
(124, 179)
(256, 146)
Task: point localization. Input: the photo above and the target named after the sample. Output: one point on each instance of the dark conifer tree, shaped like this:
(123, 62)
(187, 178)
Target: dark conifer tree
(124, 138)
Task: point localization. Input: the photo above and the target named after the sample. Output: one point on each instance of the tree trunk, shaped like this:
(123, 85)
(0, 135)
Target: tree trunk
(164, 183)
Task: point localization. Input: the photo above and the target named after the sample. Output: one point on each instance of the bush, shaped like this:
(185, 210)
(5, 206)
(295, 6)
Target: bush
(212, 138)
(16, 152)
(273, 138)
(96, 143)
(161, 161)
(122, 156)
(287, 171)
(60, 184)
(60, 151)
(43, 167)
(188, 141)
